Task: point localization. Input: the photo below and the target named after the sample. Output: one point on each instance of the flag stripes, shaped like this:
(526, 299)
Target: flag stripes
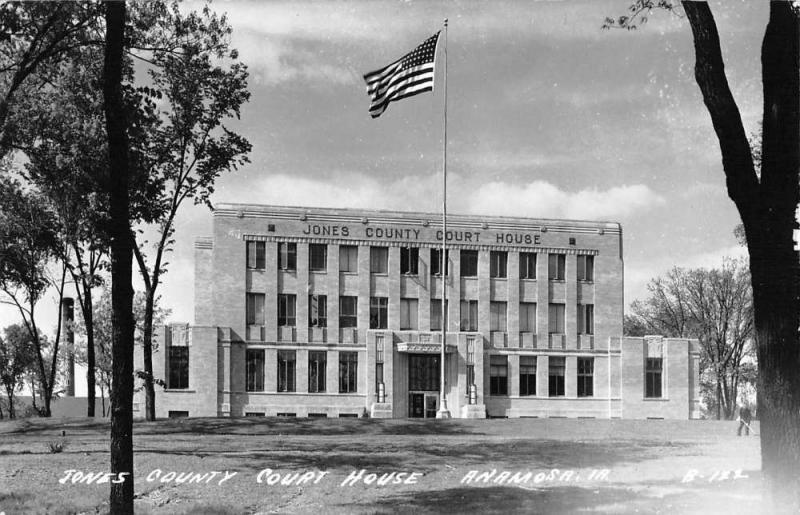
(410, 75)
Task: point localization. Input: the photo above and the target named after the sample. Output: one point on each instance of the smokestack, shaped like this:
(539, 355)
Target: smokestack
(67, 319)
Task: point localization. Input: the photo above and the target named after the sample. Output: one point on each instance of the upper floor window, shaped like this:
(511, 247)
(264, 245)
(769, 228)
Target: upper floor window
(436, 313)
(348, 258)
(585, 318)
(469, 315)
(255, 308)
(409, 260)
(178, 367)
(378, 312)
(317, 311)
(256, 255)
(498, 262)
(585, 268)
(497, 319)
(287, 256)
(527, 265)
(409, 309)
(527, 317)
(436, 261)
(348, 311)
(556, 266)
(469, 263)
(286, 309)
(556, 319)
(317, 257)
(379, 260)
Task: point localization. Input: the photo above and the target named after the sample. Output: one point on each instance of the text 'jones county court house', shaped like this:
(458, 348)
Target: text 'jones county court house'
(333, 312)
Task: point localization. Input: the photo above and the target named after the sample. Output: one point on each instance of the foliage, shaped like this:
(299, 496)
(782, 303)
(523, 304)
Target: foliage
(56, 446)
(716, 307)
(17, 359)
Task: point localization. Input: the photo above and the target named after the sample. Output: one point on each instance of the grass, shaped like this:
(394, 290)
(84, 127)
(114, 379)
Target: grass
(646, 461)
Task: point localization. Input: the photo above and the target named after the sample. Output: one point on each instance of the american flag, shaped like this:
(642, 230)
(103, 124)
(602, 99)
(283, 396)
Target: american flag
(408, 76)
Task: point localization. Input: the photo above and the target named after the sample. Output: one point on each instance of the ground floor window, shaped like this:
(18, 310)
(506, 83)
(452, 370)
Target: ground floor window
(556, 376)
(653, 378)
(254, 369)
(317, 363)
(178, 414)
(498, 375)
(178, 368)
(585, 377)
(286, 370)
(348, 372)
(527, 375)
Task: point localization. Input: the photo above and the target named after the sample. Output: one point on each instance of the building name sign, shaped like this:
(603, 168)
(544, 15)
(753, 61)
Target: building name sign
(419, 235)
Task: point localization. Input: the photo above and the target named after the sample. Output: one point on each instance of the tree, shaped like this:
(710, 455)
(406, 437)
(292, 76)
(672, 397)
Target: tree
(101, 318)
(767, 205)
(121, 496)
(28, 245)
(714, 306)
(190, 147)
(17, 357)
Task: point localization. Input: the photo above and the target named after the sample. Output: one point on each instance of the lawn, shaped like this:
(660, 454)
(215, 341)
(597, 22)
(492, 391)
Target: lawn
(279, 465)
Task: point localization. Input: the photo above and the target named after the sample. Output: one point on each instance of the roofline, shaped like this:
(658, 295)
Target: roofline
(225, 208)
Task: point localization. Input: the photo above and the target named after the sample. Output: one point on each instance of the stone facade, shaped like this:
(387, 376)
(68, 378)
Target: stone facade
(548, 317)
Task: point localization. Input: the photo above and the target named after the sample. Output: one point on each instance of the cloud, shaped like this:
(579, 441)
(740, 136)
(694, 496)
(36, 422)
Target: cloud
(467, 196)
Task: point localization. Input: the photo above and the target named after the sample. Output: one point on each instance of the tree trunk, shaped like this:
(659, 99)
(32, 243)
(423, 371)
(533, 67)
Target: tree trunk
(767, 208)
(147, 344)
(121, 495)
(719, 398)
(88, 318)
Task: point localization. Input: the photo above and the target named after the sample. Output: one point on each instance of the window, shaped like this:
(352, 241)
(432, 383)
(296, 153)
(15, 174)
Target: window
(317, 363)
(586, 268)
(498, 262)
(255, 309)
(286, 310)
(527, 317)
(256, 255)
(178, 368)
(317, 311)
(409, 261)
(348, 312)
(348, 258)
(585, 318)
(470, 362)
(556, 319)
(379, 260)
(436, 261)
(527, 375)
(287, 256)
(498, 375)
(348, 372)
(555, 266)
(585, 377)
(409, 310)
(527, 265)
(378, 312)
(379, 340)
(469, 263)
(254, 370)
(556, 376)
(436, 313)
(469, 315)
(317, 257)
(653, 378)
(177, 414)
(286, 362)
(497, 319)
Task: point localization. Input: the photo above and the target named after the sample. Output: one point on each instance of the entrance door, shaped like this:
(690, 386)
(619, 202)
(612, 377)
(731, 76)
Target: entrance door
(416, 405)
(422, 404)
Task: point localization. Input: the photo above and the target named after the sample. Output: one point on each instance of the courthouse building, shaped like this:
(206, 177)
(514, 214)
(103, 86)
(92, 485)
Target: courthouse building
(315, 312)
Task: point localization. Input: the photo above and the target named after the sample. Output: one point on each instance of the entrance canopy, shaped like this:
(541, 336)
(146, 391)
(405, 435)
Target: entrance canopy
(424, 348)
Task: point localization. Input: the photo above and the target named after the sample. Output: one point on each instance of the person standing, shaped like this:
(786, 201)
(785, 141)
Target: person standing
(744, 421)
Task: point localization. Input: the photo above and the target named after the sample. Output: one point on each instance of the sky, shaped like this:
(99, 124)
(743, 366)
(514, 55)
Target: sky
(548, 116)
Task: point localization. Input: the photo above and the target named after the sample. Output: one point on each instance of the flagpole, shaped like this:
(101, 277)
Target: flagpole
(443, 411)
